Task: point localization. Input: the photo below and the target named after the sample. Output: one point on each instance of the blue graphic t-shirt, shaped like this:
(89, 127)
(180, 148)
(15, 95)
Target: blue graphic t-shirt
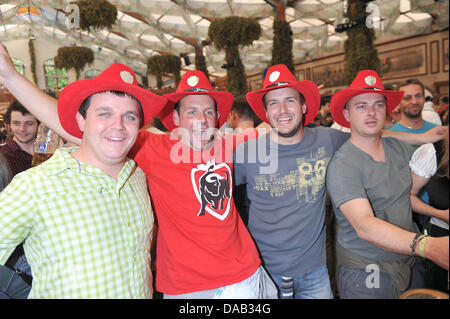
(401, 128)
(286, 189)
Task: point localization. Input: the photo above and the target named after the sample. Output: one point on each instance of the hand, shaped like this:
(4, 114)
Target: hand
(6, 66)
(396, 115)
(436, 249)
(224, 133)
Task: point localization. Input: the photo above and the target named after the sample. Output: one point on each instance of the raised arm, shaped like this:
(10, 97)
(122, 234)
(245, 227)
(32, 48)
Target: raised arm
(390, 237)
(40, 104)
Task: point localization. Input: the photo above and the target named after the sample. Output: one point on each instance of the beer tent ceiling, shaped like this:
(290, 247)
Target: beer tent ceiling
(146, 27)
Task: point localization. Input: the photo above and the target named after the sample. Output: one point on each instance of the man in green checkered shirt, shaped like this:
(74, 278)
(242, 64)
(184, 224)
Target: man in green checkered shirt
(85, 214)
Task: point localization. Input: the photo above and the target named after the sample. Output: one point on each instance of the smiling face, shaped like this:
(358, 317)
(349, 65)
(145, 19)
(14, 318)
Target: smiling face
(197, 118)
(109, 130)
(23, 127)
(284, 111)
(412, 102)
(366, 114)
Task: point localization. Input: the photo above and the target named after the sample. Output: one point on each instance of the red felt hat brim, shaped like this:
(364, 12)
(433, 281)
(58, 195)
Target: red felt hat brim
(307, 88)
(224, 104)
(340, 98)
(442, 109)
(73, 95)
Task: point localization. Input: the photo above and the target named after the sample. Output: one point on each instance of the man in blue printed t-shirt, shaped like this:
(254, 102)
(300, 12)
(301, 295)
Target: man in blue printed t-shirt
(285, 175)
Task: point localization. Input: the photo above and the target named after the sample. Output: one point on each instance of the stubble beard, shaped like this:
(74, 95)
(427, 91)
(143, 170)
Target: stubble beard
(291, 133)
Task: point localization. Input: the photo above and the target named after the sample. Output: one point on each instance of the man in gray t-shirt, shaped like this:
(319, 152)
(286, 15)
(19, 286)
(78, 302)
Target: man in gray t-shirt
(385, 184)
(369, 183)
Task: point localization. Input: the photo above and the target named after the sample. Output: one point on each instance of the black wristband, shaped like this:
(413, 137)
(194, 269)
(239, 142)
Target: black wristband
(414, 243)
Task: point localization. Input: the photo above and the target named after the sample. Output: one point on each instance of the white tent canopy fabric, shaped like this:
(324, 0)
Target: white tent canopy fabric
(146, 27)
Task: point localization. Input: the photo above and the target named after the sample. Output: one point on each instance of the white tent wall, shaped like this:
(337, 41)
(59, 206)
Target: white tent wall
(44, 50)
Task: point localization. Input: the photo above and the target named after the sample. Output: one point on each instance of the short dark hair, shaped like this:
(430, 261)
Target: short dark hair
(302, 98)
(243, 109)
(16, 106)
(87, 102)
(177, 105)
(412, 81)
(325, 99)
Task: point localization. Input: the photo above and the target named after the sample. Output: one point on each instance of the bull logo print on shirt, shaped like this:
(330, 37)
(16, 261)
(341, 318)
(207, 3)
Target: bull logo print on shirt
(212, 186)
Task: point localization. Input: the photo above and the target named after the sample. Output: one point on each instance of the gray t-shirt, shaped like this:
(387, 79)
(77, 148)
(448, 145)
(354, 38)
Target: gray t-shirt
(353, 174)
(286, 189)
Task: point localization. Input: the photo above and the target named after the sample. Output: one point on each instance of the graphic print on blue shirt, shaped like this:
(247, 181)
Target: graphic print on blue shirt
(307, 179)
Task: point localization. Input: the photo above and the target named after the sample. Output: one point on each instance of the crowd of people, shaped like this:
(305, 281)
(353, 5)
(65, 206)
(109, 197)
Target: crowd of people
(240, 187)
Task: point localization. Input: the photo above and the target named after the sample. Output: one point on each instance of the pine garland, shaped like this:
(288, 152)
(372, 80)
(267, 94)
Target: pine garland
(96, 14)
(200, 64)
(33, 59)
(282, 45)
(228, 34)
(359, 48)
(74, 58)
(158, 65)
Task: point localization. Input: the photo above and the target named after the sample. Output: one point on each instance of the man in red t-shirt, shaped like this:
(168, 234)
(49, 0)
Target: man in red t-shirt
(203, 248)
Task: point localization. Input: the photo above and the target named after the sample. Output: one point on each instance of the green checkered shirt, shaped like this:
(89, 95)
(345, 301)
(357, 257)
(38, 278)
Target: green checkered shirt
(86, 234)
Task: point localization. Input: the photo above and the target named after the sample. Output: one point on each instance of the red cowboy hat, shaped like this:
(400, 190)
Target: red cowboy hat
(277, 77)
(117, 77)
(194, 83)
(442, 109)
(366, 81)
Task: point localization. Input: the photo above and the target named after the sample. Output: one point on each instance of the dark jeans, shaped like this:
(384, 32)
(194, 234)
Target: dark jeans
(354, 284)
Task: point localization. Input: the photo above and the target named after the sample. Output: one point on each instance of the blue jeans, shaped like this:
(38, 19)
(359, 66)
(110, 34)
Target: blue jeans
(257, 286)
(313, 285)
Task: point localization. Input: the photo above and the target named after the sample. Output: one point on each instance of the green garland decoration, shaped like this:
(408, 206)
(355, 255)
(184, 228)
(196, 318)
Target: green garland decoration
(74, 57)
(154, 67)
(96, 14)
(228, 34)
(33, 59)
(200, 64)
(282, 45)
(159, 65)
(359, 48)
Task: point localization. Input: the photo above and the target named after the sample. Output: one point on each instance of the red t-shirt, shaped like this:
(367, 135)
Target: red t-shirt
(202, 242)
